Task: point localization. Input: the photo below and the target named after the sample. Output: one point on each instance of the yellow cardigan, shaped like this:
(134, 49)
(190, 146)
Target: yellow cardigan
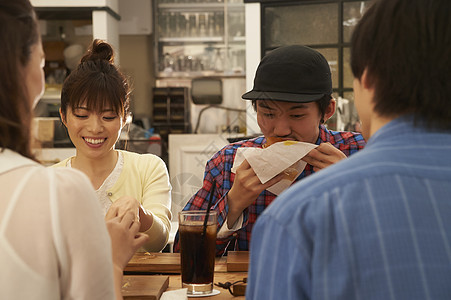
(145, 177)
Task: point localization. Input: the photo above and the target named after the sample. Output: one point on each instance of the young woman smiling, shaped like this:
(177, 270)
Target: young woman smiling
(94, 107)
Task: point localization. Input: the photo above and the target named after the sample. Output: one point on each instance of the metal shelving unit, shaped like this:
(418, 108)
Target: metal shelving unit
(170, 113)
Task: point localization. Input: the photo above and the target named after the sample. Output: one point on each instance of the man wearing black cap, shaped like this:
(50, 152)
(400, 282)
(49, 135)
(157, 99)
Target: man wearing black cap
(292, 96)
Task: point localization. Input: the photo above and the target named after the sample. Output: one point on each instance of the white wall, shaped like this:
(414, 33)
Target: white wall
(253, 56)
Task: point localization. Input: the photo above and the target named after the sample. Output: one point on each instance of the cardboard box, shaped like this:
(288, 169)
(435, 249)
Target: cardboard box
(44, 129)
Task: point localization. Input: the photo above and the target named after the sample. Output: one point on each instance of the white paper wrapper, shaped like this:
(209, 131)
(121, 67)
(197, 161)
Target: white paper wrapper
(180, 294)
(271, 161)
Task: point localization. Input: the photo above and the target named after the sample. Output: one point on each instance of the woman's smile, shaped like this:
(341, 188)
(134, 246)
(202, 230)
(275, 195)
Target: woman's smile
(94, 142)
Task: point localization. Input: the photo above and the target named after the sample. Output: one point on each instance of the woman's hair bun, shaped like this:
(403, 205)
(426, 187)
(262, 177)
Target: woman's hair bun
(99, 50)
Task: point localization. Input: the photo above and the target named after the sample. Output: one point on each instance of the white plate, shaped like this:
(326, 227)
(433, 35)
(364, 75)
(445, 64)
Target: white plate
(213, 293)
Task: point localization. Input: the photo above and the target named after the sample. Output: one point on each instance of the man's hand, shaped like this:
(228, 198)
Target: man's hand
(323, 156)
(245, 190)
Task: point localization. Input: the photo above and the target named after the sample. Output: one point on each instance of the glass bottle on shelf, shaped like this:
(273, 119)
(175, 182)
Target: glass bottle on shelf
(168, 63)
(202, 25)
(181, 25)
(209, 57)
(211, 24)
(192, 24)
(173, 25)
(162, 24)
(218, 61)
(219, 23)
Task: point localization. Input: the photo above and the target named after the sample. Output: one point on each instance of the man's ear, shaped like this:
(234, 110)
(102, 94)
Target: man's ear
(63, 117)
(367, 85)
(330, 109)
(365, 80)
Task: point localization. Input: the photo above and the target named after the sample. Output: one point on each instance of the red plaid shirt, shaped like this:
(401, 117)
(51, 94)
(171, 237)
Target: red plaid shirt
(218, 170)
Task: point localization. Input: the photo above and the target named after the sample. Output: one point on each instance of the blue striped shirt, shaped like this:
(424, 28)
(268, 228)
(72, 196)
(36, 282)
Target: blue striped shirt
(374, 226)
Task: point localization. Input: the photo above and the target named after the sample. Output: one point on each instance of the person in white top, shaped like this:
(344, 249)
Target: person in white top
(53, 240)
(94, 108)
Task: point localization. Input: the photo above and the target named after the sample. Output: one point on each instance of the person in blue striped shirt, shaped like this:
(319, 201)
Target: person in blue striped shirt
(377, 225)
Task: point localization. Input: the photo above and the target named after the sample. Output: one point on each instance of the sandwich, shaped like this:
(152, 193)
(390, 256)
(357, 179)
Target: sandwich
(289, 173)
(272, 140)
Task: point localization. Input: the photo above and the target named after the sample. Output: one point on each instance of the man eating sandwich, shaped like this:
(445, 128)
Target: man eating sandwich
(292, 96)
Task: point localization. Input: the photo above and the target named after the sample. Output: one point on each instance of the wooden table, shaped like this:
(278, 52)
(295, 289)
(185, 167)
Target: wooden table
(157, 264)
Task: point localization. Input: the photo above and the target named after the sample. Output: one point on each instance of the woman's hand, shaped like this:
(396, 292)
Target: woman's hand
(125, 238)
(127, 204)
(124, 205)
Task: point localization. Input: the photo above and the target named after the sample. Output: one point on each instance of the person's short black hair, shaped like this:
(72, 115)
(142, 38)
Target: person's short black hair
(405, 46)
(323, 103)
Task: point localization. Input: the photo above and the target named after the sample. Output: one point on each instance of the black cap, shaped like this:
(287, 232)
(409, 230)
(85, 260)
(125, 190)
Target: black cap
(291, 73)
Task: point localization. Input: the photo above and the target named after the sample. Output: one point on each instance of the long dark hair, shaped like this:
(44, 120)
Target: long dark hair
(96, 83)
(18, 34)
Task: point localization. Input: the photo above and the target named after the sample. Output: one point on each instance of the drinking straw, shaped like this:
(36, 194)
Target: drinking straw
(210, 201)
